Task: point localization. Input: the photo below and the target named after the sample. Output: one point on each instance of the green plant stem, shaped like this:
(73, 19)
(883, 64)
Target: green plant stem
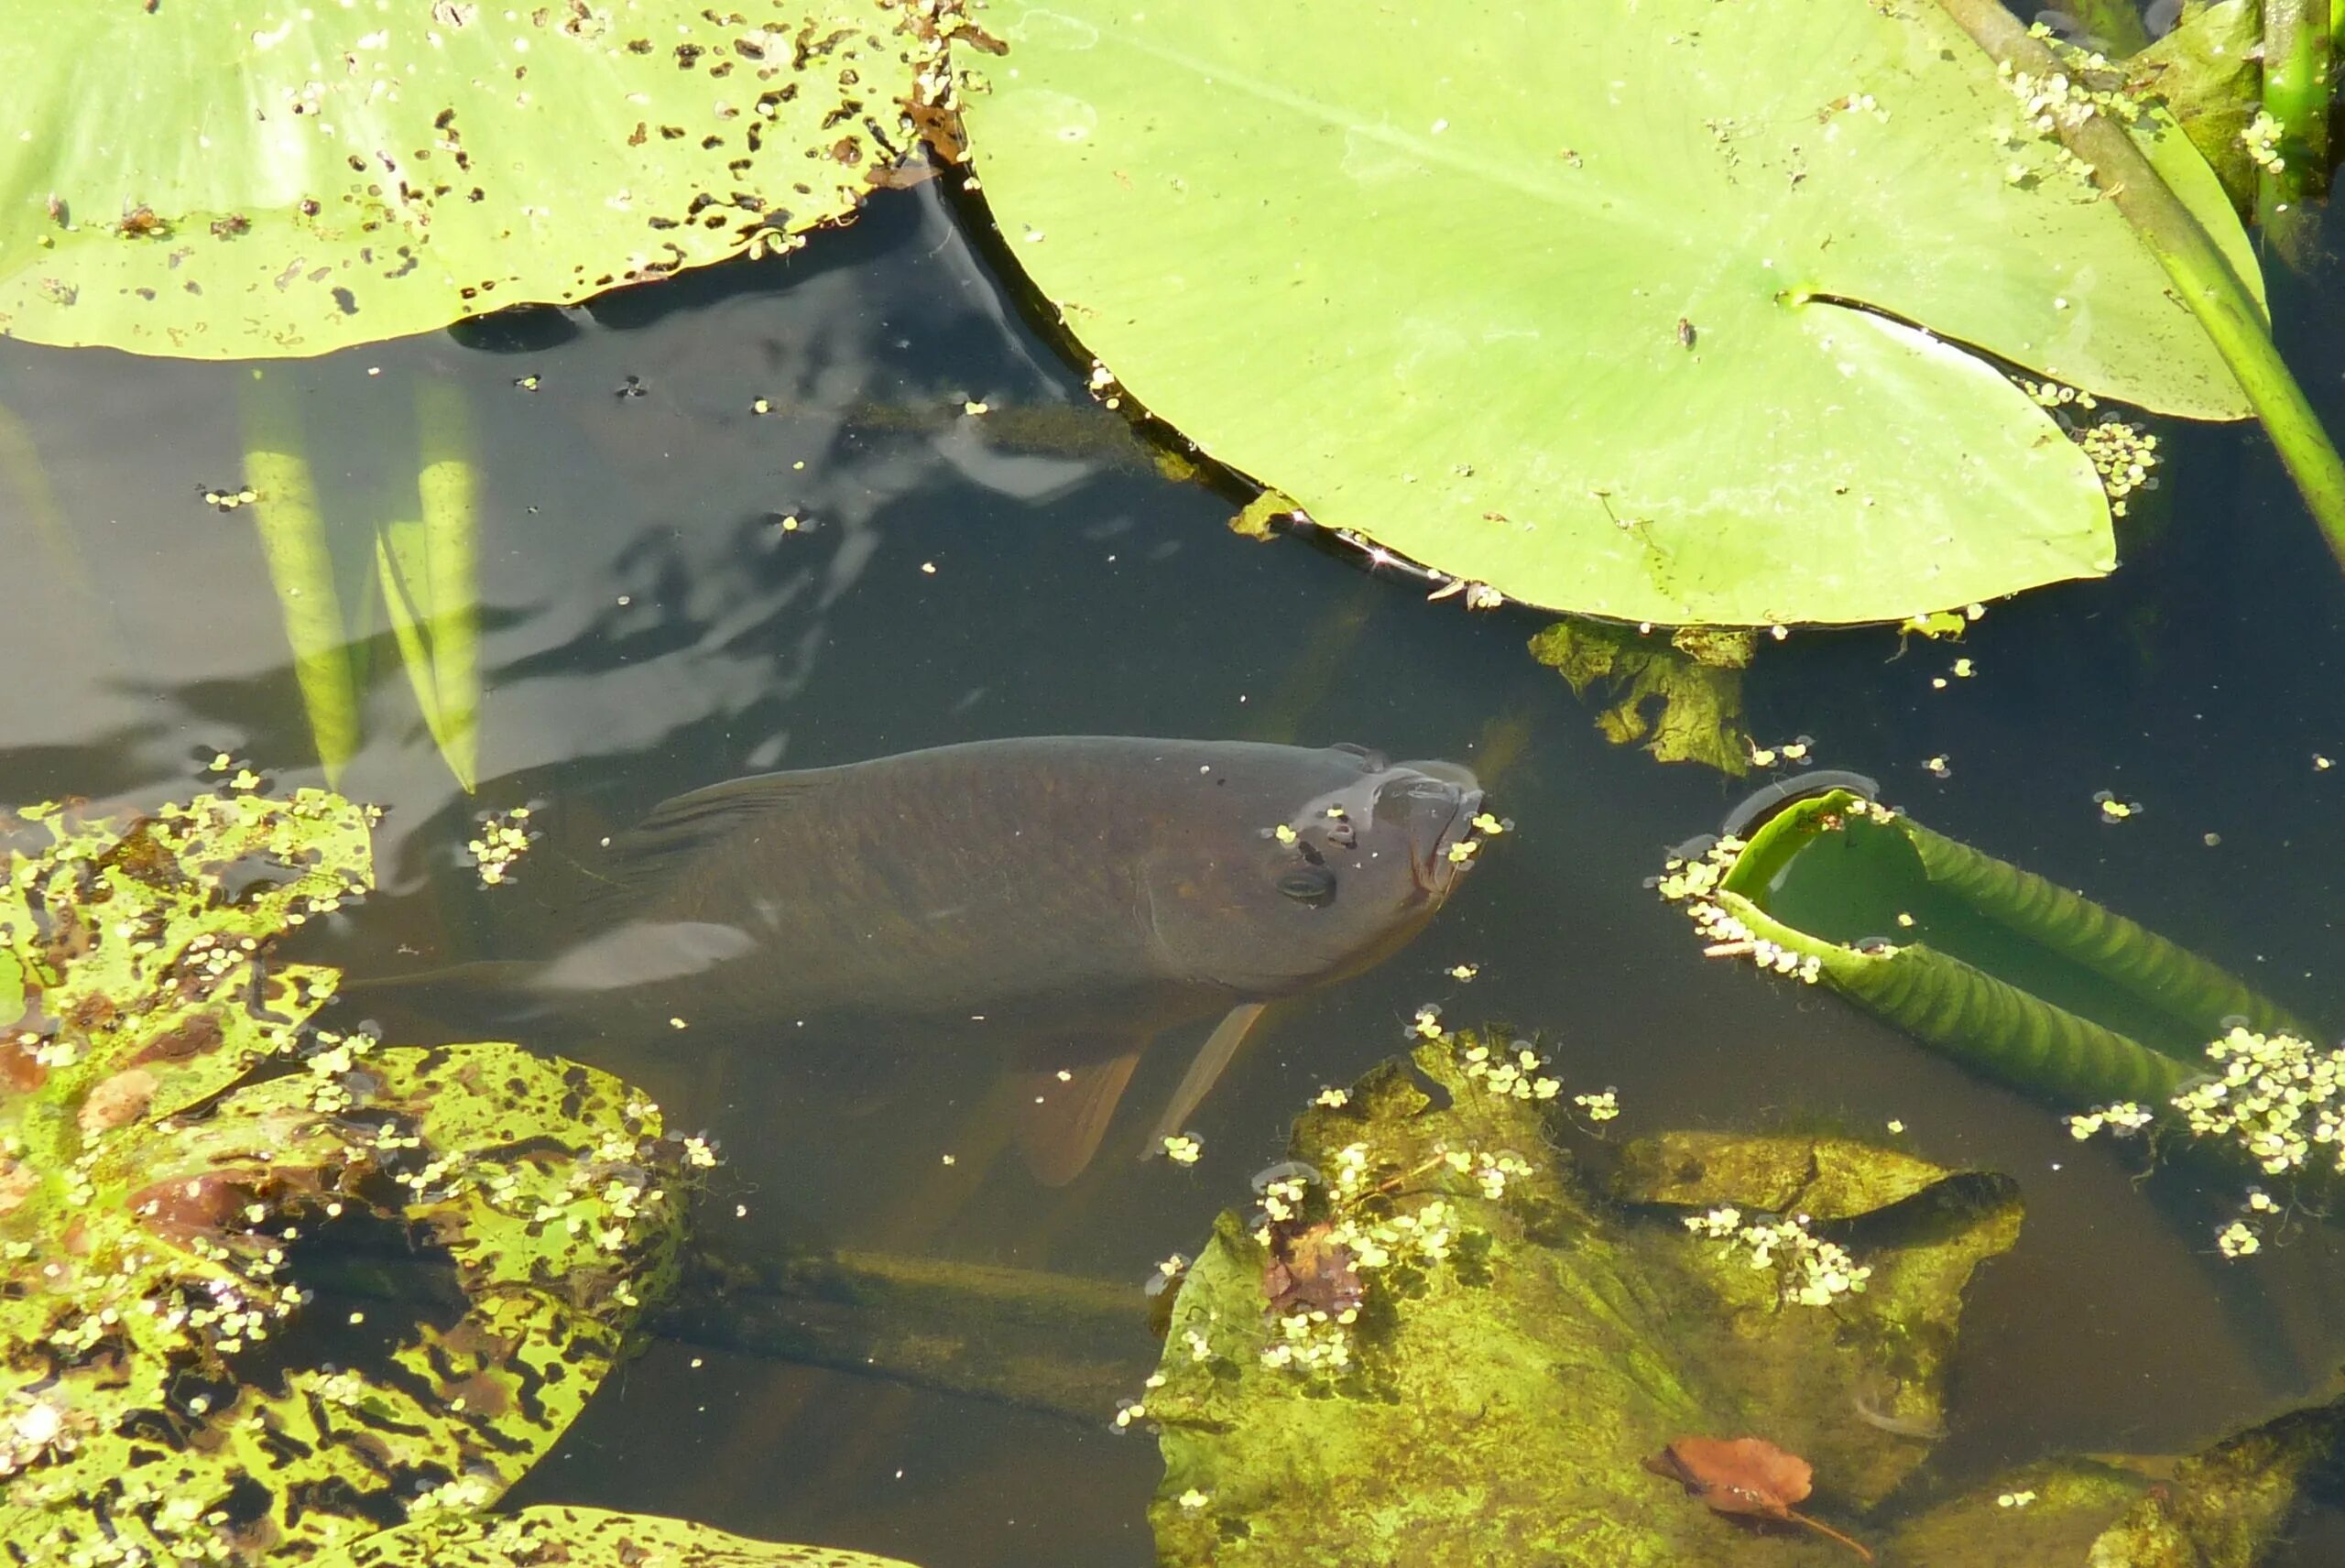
(2203, 278)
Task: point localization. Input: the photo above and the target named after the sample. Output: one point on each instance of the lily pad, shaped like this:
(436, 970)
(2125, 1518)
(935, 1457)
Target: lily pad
(586, 1538)
(1391, 1365)
(171, 1390)
(214, 179)
(1650, 316)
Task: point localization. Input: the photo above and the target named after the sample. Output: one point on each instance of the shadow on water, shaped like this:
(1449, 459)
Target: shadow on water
(649, 625)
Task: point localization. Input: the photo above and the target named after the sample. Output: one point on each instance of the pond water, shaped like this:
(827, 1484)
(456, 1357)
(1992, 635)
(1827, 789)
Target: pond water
(649, 626)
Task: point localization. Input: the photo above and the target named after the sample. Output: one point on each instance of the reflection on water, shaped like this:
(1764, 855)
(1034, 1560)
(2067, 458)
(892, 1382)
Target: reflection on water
(677, 588)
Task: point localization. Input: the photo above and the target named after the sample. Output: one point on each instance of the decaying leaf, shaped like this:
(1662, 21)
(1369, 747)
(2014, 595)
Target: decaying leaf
(1736, 1476)
(1310, 1271)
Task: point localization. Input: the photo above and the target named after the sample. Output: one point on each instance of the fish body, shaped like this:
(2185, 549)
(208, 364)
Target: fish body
(1068, 896)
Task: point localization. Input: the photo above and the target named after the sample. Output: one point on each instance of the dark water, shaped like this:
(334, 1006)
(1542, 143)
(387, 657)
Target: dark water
(647, 628)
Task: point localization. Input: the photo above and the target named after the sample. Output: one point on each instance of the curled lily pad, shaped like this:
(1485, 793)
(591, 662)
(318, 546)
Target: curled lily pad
(170, 1388)
(291, 180)
(584, 1538)
(1648, 316)
(1437, 1345)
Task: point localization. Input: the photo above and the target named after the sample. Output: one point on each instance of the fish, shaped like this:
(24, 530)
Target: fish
(1064, 898)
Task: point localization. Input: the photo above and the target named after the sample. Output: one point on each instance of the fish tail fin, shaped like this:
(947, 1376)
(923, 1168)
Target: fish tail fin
(1061, 1116)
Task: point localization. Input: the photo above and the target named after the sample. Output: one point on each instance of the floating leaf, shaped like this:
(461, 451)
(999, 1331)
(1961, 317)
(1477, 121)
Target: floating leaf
(171, 1393)
(1649, 316)
(584, 1538)
(291, 181)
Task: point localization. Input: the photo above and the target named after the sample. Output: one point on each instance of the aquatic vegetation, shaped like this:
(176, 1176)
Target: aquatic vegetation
(2208, 73)
(2273, 1101)
(2029, 981)
(1717, 222)
(176, 1390)
(343, 175)
(1432, 1343)
(1681, 696)
(582, 1538)
(504, 837)
(424, 564)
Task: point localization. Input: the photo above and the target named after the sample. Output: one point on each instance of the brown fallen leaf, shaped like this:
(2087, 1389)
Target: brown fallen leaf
(1747, 1476)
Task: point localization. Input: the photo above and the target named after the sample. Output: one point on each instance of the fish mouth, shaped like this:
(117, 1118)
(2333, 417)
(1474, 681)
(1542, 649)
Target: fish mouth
(1442, 800)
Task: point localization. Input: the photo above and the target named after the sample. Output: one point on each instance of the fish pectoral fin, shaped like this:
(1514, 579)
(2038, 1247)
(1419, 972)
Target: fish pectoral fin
(1062, 1115)
(1213, 1057)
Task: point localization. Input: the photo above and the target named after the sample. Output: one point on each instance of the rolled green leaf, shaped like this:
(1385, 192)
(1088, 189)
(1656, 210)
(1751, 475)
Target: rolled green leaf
(1992, 965)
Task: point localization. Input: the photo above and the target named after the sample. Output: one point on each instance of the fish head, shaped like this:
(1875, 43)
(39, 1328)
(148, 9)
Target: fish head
(1321, 867)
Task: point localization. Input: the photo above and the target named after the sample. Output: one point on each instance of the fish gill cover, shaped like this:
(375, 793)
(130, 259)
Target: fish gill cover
(215, 180)
(174, 1136)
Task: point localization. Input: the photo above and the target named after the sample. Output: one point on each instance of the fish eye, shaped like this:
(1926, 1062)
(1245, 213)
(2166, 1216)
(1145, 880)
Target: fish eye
(1312, 884)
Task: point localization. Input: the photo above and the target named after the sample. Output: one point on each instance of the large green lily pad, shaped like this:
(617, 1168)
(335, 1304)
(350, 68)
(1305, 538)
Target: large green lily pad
(169, 1390)
(1511, 1363)
(1647, 312)
(220, 179)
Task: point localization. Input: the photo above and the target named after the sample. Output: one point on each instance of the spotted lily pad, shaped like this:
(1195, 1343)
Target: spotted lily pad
(586, 1538)
(168, 1386)
(1440, 1346)
(218, 179)
(1649, 312)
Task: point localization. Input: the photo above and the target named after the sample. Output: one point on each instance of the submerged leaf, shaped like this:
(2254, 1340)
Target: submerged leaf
(1697, 688)
(427, 578)
(1736, 1476)
(1650, 315)
(1501, 1349)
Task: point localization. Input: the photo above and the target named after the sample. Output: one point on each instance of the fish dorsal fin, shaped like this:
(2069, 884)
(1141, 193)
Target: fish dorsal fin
(713, 820)
(1062, 1120)
(1213, 1057)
